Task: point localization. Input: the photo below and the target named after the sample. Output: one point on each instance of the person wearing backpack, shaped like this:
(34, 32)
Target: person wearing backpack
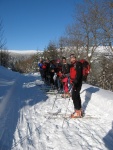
(76, 81)
(85, 69)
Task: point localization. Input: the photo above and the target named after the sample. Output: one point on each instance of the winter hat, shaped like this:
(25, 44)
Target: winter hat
(64, 58)
(58, 61)
(72, 55)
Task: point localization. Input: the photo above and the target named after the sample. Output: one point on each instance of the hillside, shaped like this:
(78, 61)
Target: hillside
(22, 54)
(26, 124)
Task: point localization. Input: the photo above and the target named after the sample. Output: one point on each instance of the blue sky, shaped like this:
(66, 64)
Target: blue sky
(32, 24)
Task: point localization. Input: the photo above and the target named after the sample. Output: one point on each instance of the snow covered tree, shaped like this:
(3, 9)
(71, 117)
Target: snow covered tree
(51, 51)
(102, 72)
(84, 33)
(27, 65)
(61, 48)
(106, 23)
(75, 43)
(105, 77)
(4, 58)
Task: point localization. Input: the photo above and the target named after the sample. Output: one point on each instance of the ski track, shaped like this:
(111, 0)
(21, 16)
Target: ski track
(32, 128)
(50, 134)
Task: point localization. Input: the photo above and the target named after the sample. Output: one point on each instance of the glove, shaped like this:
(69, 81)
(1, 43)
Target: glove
(75, 85)
(63, 76)
(54, 77)
(75, 82)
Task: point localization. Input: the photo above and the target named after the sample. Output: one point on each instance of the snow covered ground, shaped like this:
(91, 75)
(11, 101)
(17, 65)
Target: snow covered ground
(25, 123)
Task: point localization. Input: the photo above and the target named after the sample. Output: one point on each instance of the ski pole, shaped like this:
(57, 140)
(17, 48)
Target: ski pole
(66, 112)
(54, 101)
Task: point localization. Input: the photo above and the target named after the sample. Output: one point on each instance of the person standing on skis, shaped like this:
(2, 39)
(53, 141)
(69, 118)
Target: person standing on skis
(65, 77)
(52, 68)
(76, 81)
(58, 70)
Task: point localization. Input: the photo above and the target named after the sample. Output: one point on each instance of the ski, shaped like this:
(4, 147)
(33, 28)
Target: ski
(63, 116)
(45, 90)
(84, 117)
(51, 92)
(45, 87)
(55, 113)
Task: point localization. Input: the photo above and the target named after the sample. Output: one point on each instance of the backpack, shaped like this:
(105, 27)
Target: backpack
(85, 69)
(43, 66)
(65, 68)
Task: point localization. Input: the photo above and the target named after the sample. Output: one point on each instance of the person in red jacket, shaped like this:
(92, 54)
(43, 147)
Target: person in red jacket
(65, 77)
(76, 81)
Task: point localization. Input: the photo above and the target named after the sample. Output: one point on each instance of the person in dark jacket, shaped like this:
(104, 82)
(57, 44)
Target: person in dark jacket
(47, 71)
(52, 72)
(58, 70)
(76, 81)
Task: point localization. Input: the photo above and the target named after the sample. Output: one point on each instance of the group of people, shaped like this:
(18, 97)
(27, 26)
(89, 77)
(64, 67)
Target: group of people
(60, 74)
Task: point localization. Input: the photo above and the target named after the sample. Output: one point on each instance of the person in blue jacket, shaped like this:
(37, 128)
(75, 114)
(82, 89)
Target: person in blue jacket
(40, 64)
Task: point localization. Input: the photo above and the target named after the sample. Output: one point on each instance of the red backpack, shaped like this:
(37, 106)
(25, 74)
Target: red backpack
(44, 66)
(86, 69)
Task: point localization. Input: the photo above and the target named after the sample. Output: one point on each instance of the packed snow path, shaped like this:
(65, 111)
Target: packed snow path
(25, 123)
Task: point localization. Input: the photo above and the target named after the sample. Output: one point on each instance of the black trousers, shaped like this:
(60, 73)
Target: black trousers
(51, 78)
(76, 96)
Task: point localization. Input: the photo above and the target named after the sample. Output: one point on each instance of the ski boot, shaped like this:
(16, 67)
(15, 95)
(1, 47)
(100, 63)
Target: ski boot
(77, 114)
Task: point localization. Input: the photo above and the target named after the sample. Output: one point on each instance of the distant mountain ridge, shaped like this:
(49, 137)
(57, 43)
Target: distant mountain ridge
(17, 55)
(25, 51)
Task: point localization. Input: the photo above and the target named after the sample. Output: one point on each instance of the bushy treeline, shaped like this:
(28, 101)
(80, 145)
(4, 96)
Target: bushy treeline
(4, 58)
(101, 74)
(22, 65)
(26, 66)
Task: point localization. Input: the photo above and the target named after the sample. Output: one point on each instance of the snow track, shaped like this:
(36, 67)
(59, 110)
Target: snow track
(44, 133)
(26, 125)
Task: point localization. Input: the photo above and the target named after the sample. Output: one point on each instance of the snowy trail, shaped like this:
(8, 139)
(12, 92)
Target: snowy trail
(19, 94)
(44, 133)
(28, 126)
(49, 134)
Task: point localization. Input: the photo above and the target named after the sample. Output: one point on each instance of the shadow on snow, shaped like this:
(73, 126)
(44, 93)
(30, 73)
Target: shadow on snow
(108, 139)
(88, 95)
(26, 94)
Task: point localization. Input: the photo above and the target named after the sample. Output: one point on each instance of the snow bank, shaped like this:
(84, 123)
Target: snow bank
(7, 82)
(7, 73)
(102, 99)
